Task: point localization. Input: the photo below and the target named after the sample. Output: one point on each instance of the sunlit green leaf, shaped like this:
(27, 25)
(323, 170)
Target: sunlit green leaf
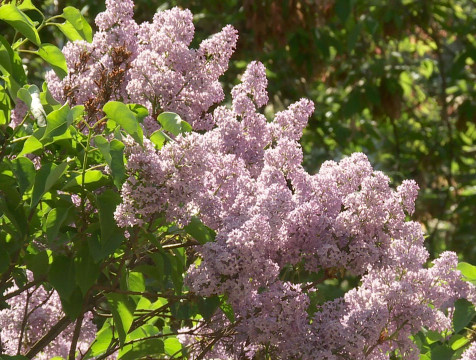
(22, 23)
(122, 309)
(158, 138)
(124, 117)
(199, 232)
(53, 56)
(92, 178)
(172, 346)
(172, 123)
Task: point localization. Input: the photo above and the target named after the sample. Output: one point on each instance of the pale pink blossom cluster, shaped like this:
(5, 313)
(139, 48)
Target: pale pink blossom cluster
(151, 64)
(36, 311)
(18, 113)
(244, 179)
(470, 352)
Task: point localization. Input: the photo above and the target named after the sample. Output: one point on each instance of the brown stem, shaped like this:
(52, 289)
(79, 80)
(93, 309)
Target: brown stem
(141, 293)
(74, 341)
(224, 333)
(23, 323)
(23, 288)
(50, 336)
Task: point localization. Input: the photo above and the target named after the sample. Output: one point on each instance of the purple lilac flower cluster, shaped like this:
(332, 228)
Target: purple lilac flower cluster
(151, 64)
(470, 352)
(31, 314)
(245, 180)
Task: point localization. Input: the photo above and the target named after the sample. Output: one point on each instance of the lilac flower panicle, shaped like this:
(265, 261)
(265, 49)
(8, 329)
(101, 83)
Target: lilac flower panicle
(245, 180)
(18, 113)
(151, 64)
(470, 352)
(39, 310)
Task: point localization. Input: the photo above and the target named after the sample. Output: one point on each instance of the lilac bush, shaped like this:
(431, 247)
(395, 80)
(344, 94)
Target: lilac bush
(238, 174)
(244, 179)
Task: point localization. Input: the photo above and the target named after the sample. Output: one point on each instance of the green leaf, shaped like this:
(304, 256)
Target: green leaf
(92, 179)
(24, 94)
(135, 281)
(122, 309)
(468, 271)
(18, 20)
(441, 352)
(433, 336)
(32, 144)
(46, 97)
(227, 308)
(111, 236)
(4, 259)
(199, 232)
(406, 82)
(57, 122)
(158, 138)
(53, 56)
(208, 306)
(25, 172)
(27, 5)
(76, 25)
(172, 123)
(426, 68)
(11, 203)
(143, 349)
(45, 178)
(464, 313)
(140, 111)
(113, 153)
(55, 219)
(102, 341)
(176, 271)
(5, 106)
(458, 341)
(6, 57)
(172, 346)
(70, 32)
(12, 67)
(37, 261)
(107, 203)
(124, 117)
(73, 304)
(62, 275)
(425, 356)
(87, 270)
(343, 9)
(74, 16)
(103, 146)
